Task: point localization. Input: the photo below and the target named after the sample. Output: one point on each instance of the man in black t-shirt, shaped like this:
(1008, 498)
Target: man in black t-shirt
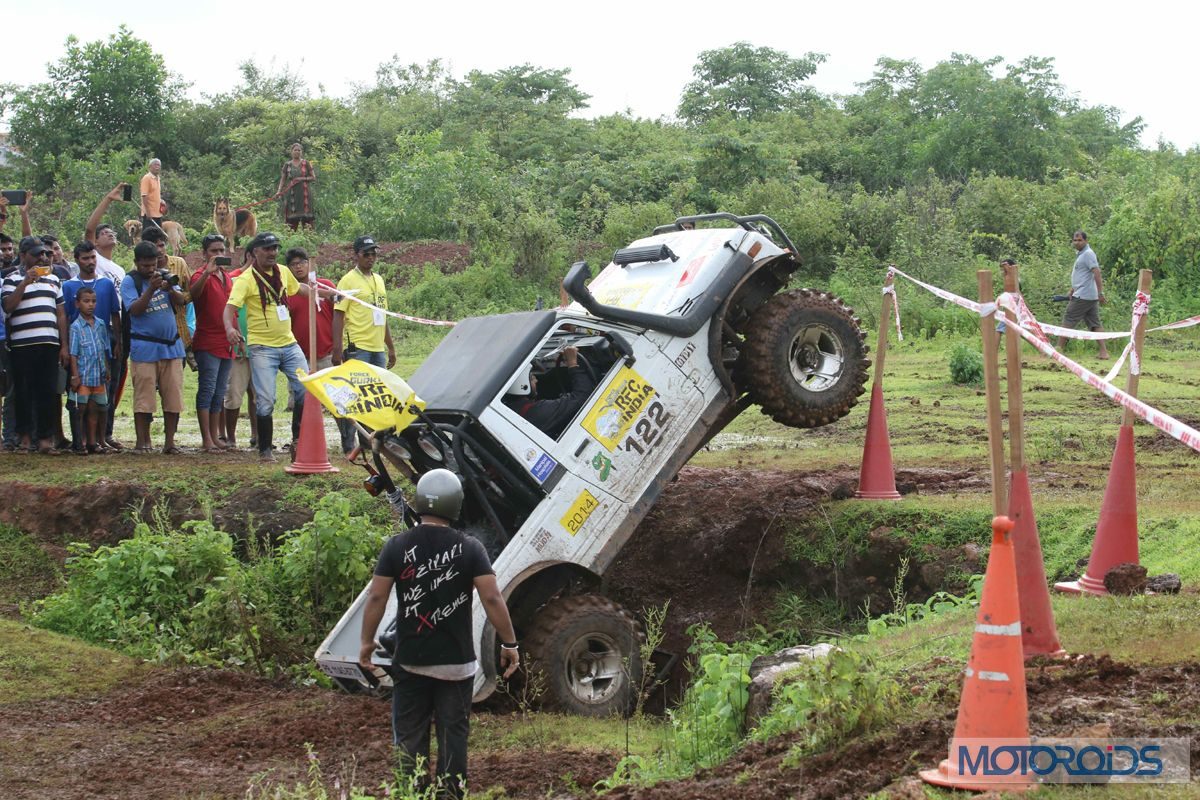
(434, 569)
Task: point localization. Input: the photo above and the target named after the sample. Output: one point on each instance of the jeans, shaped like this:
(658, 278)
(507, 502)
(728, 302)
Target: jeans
(264, 363)
(213, 378)
(345, 426)
(35, 368)
(416, 700)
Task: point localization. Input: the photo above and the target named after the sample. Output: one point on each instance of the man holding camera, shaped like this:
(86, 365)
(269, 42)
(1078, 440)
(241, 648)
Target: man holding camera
(150, 296)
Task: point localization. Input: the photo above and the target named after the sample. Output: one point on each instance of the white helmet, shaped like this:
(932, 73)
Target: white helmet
(522, 384)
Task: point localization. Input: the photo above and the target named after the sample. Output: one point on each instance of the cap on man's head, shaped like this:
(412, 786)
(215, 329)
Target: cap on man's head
(364, 244)
(33, 246)
(262, 240)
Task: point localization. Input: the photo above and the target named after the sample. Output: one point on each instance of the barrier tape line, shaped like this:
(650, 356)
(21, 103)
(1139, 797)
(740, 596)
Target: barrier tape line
(1055, 330)
(349, 295)
(1164, 422)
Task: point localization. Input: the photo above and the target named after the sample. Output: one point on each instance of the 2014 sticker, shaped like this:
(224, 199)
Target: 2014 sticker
(579, 512)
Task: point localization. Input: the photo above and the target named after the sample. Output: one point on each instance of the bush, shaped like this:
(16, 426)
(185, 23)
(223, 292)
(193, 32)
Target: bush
(140, 594)
(966, 365)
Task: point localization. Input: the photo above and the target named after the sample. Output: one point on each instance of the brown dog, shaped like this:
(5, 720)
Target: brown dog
(176, 238)
(232, 223)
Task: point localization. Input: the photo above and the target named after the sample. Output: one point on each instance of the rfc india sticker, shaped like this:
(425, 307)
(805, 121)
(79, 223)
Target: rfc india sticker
(619, 405)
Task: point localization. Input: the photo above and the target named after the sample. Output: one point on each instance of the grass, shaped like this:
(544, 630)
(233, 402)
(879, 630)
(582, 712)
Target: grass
(36, 665)
(26, 570)
(638, 736)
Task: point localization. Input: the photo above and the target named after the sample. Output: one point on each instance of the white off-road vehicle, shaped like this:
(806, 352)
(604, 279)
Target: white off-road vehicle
(680, 333)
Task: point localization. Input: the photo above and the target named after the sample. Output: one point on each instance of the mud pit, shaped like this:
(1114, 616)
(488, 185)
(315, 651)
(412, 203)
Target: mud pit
(188, 733)
(208, 733)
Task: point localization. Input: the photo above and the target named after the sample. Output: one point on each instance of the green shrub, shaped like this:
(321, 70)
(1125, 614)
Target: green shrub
(831, 699)
(966, 365)
(140, 594)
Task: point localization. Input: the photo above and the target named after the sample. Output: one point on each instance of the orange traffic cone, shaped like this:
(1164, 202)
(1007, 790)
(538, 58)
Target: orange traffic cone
(1116, 539)
(877, 478)
(993, 705)
(312, 457)
(1039, 637)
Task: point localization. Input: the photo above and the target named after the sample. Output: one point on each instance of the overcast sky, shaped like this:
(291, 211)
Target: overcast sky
(639, 55)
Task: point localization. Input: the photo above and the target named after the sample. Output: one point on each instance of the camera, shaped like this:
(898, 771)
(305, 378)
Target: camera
(223, 261)
(168, 277)
(127, 193)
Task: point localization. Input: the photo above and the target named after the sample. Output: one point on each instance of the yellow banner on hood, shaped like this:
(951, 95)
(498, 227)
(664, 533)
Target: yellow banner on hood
(371, 395)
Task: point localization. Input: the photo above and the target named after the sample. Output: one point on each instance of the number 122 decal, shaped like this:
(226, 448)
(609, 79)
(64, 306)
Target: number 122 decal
(647, 432)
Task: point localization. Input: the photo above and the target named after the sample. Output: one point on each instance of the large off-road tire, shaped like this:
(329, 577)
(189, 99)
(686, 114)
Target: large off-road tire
(805, 359)
(585, 651)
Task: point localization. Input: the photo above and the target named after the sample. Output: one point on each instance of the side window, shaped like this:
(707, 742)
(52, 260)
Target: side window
(561, 381)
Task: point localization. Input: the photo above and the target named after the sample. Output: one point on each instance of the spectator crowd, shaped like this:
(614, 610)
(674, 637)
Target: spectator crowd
(74, 332)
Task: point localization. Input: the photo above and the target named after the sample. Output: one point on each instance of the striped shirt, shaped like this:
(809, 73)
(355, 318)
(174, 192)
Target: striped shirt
(35, 319)
(89, 345)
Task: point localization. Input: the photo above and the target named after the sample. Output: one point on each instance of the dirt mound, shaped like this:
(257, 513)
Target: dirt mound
(187, 733)
(107, 511)
(714, 545)
(1091, 696)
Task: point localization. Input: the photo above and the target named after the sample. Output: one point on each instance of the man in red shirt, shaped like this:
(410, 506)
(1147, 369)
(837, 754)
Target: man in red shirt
(298, 263)
(209, 287)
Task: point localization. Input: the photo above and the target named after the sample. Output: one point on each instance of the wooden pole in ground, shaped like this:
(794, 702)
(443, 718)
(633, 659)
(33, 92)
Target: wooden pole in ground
(884, 318)
(312, 319)
(1145, 279)
(991, 384)
(1016, 400)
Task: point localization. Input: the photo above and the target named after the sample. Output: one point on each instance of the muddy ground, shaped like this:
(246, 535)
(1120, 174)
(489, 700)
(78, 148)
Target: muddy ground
(202, 732)
(207, 733)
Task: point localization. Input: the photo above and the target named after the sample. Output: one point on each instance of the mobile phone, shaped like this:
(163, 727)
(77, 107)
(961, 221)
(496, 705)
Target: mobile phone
(15, 197)
(223, 261)
(127, 193)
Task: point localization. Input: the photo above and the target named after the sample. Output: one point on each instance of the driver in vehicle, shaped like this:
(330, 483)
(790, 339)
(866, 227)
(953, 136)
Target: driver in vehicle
(550, 415)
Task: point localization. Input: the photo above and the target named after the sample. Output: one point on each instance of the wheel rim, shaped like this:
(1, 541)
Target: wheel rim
(816, 358)
(594, 669)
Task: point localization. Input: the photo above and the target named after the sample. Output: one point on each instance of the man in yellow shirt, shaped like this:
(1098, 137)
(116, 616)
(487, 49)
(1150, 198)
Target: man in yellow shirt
(263, 289)
(151, 189)
(359, 332)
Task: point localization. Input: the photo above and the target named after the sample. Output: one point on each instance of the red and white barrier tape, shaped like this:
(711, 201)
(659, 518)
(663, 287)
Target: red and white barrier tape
(1015, 303)
(349, 295)
(1164, 422)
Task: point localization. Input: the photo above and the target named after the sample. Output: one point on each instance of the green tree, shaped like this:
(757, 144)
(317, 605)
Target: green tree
(746, 82)
(101, 96)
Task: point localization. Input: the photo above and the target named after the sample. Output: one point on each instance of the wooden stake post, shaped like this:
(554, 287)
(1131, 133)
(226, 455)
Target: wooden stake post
(884, 318)
(1016, 401)
(991, 383)
(312, 322)
(1145, 279)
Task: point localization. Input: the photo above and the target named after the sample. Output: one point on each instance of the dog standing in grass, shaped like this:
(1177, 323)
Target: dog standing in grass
(233, 224)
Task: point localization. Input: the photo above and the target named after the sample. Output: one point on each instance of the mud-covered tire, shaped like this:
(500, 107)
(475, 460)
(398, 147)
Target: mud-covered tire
(805, 358)
(586, 653)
